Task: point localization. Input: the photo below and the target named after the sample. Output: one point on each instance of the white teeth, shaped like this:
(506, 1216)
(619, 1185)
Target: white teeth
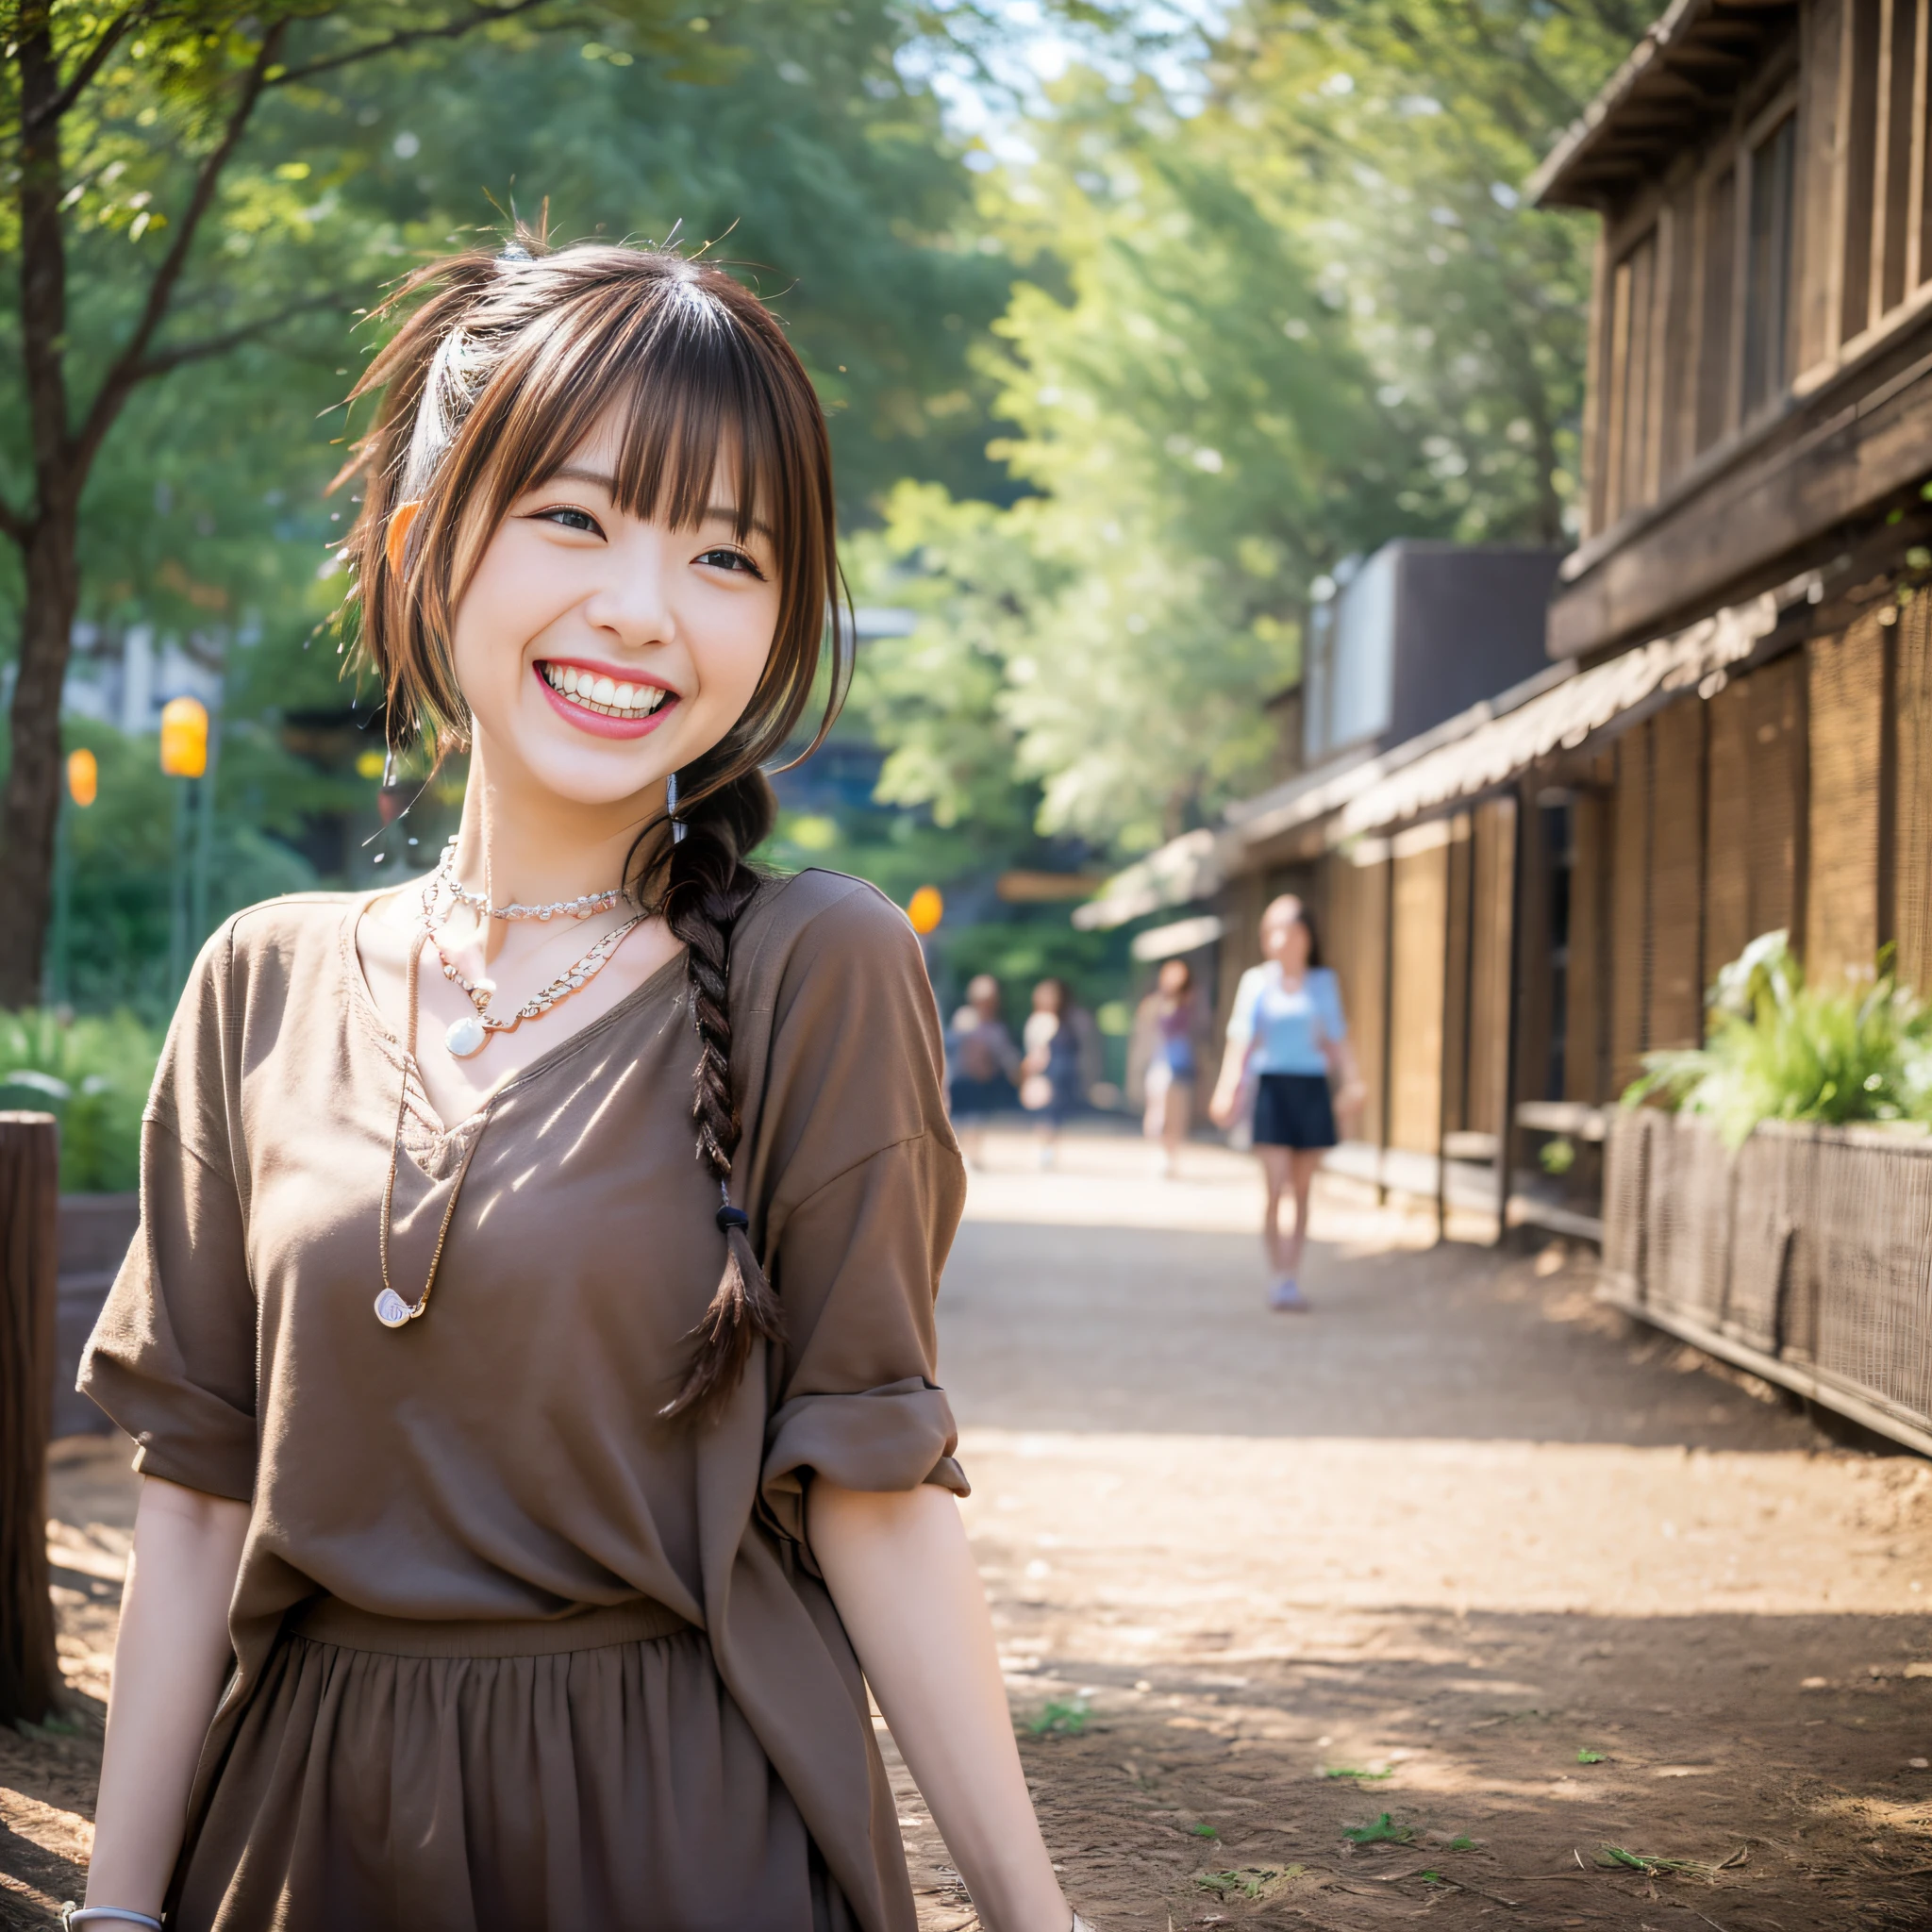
(605, 694)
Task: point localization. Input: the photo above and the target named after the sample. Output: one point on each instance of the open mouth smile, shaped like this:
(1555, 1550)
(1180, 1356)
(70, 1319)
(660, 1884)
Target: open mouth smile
(600, 703)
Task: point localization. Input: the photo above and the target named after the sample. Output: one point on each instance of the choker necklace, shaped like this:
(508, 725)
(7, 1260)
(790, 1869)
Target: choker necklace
(584, 906)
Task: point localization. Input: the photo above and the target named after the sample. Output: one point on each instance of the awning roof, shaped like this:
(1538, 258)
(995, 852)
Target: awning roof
(1561, 720)
(1559, 709)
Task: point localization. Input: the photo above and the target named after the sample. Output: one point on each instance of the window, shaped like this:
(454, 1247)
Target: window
(1768, 271)
(1626, 476)
(1714, 334)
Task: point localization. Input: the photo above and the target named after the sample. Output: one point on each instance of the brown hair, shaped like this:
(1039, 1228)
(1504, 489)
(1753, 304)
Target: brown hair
(503, 366)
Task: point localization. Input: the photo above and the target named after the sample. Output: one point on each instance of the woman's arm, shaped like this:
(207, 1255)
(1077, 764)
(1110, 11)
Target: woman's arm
(171, 1659)
(1234, 1061)
(905, 1583)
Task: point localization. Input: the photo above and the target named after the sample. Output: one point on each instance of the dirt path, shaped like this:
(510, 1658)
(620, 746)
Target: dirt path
(1549, 1587)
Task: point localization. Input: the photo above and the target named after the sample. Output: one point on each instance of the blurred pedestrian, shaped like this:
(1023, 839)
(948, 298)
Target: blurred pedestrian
(1056, 1067)
(1287, 1042)
(1162, 1059)
(982, 1064)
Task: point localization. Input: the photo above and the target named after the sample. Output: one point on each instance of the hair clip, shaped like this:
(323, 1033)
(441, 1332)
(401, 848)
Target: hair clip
(514, 255)
(402, 520)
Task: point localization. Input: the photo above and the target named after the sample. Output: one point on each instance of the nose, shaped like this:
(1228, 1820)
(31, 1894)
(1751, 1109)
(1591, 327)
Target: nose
(631, 603)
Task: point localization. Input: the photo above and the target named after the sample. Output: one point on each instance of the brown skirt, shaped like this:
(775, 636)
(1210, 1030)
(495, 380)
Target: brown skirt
(391, 1776)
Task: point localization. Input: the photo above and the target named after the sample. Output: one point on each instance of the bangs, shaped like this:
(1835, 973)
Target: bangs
(697, 413)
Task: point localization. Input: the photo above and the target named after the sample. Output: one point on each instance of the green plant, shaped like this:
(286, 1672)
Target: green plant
(93, 1076)
(1384, 1831)
(1779, 1049)
(1586, 1755)
(1365, 1778)
(1557, 1156)
(1061, 1721)
(1203, 1830)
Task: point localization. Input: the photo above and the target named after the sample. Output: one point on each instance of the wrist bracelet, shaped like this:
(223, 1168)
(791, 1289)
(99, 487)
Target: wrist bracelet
(71, 1916)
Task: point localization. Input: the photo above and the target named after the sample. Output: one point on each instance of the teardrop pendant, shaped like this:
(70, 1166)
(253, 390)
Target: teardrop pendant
(391, 1311)
(467, 1036)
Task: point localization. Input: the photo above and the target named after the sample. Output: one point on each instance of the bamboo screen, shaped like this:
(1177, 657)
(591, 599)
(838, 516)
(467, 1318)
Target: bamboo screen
(1674, 1011)
(1356, 944)
(1727, 792)
(1912, 821)
(1628, 951)
(1492, 897)
(1845, 694)
(1778, 766)
(1415, 1030)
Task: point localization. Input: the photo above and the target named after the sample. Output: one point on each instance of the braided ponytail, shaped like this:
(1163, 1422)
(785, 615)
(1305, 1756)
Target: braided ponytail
(707, 888)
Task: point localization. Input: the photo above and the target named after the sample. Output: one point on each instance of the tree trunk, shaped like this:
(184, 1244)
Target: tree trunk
(30, 1263)
(33, 783)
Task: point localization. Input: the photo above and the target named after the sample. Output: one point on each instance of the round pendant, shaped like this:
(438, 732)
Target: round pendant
(466, 1036)
(391, 1311)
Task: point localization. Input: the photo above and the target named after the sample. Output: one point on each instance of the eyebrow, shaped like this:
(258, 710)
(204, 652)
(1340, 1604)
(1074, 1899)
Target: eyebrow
(717, 512)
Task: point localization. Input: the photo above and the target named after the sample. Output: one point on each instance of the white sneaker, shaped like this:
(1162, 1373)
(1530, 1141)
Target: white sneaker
(1288, 1297)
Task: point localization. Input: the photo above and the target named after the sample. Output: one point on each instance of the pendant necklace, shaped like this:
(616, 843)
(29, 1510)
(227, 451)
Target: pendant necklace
(391, 1311)
(469, 1036)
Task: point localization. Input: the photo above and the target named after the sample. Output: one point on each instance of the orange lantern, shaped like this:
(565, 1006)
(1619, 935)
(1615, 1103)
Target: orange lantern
(926, 909)
(184, 737)
(83, 776)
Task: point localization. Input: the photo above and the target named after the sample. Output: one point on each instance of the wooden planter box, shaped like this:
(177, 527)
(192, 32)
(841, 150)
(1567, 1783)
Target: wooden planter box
(1806, 1256)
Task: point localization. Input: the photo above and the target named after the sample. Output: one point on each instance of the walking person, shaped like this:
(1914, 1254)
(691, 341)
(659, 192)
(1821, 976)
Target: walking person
(528, 1505)
(982, 1064)
(1056, 1065)
(1287, 1036)
(1163, 1059)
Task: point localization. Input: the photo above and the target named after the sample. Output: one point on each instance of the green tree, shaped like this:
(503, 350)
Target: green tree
(130, 195)
(228, 183)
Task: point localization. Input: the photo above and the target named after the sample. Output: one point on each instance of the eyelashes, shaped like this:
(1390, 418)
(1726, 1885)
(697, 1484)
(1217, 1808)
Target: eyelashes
(566, 516)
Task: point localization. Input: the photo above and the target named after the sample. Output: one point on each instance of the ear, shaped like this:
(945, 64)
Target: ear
(400, 521)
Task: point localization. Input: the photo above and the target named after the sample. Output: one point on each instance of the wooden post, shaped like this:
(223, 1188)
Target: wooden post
(29, 1262)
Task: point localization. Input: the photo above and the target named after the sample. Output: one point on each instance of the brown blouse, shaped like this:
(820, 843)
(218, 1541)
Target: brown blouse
(502, 1457)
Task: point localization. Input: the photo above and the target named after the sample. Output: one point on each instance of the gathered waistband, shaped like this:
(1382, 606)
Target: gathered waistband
(332, 1621)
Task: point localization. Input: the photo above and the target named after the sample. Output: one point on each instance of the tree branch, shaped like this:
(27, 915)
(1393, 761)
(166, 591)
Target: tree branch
(162, 361)
(76, 83)
(124, 373)
(449, 30)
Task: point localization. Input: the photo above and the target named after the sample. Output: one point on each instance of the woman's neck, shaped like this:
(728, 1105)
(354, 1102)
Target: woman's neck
(523, 843)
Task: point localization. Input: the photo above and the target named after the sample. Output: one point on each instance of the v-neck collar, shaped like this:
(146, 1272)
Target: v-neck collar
(364, 1001)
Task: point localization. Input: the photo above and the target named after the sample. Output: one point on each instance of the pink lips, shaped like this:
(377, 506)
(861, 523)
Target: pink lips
(595, 723)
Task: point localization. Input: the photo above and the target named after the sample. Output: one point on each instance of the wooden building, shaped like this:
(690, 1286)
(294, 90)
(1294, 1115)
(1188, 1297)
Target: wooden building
(1735, 730)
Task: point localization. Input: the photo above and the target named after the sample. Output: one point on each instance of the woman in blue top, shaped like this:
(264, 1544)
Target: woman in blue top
(1287, 1036)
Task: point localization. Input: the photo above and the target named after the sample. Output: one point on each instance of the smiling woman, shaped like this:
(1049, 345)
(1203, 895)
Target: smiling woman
(546, 1589)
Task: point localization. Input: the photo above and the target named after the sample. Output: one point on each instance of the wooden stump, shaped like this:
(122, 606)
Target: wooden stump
(29, 1265)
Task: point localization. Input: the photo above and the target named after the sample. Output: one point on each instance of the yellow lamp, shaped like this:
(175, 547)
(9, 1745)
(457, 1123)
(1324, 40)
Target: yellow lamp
(184, 737)
(83, 776)
(926, 909)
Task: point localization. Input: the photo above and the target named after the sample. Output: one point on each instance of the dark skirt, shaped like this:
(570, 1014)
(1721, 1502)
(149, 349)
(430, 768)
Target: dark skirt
(968, 1099)
(1293, 1110)
(550, 1777)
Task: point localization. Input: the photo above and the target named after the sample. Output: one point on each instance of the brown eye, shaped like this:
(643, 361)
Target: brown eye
(723, 558)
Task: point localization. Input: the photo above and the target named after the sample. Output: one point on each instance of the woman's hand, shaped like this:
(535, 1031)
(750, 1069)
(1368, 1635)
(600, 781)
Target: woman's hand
(905, 1583)
(1348, 1105)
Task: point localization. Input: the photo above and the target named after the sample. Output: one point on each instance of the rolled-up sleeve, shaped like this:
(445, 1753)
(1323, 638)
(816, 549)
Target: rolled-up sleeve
(173, 1357)
(863, 1213)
